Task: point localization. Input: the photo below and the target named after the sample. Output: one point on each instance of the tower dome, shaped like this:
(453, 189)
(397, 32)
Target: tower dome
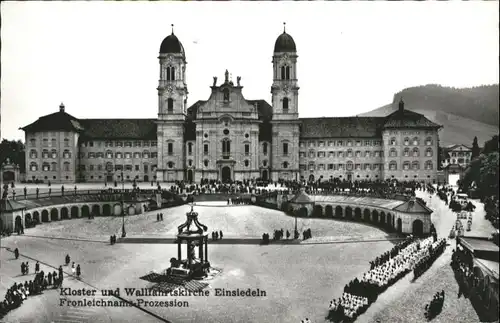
(284, 43)
(171, 45)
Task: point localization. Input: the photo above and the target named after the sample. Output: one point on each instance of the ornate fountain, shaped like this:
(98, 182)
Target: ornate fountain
(195, 235)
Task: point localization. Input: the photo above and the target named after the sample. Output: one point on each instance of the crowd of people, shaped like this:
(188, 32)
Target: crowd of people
(434, 251)
(392, 253)
(435, 306)
(19, 292)
(392, 266)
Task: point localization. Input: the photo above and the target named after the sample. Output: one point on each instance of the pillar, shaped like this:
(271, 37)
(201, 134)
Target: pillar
(200, 249)
(206, 249)
(179, 251)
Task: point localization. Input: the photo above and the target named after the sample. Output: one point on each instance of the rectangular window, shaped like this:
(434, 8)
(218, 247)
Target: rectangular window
(145, 144)
(170, 148)
(330, 167)
(128, 144)
(302, 154)
(340, 143)
(205, 149)
(247, 149)
(145, 168)
(154, 144)
(136, 168)
(119, 144)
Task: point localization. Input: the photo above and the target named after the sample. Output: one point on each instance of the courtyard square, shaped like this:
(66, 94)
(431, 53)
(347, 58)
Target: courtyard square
(299, 279)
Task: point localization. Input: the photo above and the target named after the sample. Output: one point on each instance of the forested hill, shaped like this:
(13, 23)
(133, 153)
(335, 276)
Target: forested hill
(464, 113)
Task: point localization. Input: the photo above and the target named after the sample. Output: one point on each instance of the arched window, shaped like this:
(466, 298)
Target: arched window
(109, 154)
(393, 153)
(415, 141)
(170, 73)
(109, 167)
(358, 154)
(53, 153)
(33, 142)
(53, 142)
(170, 148)
(67, 154)
(367, 154)
(406, 165)
(349, 165)
(393, 141)
(170, 105)
(428, 152)
(285, 165)
(283, 73)
(415, 152)
(66, 142)
(46, 167)
(406, 152)
(287, 69)
(170, 164)
(285, 105)
(285, 149)
(45, 153)
(349, 153)
(406, 141)
(205, 162)
(247, 163)
(145, 154)
(415, 165)
(428, 165)
(33, 167)
(33, 154)
(226, 94)
(66, 166)
(428, 141)
(190, 148)
(393, 165)
(118, 155)
(264, 163)
(190, 163)
(264, 148)
(311, 153)
(226, 147)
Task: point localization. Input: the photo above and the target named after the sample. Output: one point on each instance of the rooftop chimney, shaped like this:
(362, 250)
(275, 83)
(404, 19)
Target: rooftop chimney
(61, 107)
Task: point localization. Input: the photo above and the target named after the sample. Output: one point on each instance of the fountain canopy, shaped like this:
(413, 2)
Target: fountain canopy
(192, 229)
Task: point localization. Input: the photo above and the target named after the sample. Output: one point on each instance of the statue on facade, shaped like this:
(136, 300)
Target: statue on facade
(215, 80)
(227, 76)
(238, 79)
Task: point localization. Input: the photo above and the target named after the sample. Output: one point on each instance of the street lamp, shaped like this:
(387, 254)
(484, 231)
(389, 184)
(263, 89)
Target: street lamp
(124, 234)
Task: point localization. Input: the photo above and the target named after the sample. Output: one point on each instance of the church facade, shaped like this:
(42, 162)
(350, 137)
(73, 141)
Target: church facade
(228, 137)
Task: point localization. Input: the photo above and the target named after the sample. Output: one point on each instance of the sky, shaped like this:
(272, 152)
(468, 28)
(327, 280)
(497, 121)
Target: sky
(101, 58)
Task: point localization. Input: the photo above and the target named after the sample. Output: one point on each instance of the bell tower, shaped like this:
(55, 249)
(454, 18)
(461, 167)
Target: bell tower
(285, 121)
(172, 101)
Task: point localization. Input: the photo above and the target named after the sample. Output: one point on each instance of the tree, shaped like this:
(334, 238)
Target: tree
(491, 145)
(15, 152)
(475, 148)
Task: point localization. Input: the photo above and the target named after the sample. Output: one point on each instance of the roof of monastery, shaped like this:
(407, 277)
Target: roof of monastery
(342, 127)
(336, 127)
(120, 128)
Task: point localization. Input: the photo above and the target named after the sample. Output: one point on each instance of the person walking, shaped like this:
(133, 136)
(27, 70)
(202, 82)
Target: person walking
(37, 267)
(68, 259)
(16, 253)
(78, 271)
(73, 269)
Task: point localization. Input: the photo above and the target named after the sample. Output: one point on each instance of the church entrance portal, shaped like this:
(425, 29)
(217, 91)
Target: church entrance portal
(265, 176)
(226, 174)
(190, 175)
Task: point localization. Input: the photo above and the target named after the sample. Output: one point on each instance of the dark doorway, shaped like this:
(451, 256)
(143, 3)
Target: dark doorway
(190, 175)
(146, 178)
(400, 226)
(19, 223)
(265, 175)
(311, 178)
(349, 177)
(226, 174)
(109, 178)
(8, 176)
(418, 228)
